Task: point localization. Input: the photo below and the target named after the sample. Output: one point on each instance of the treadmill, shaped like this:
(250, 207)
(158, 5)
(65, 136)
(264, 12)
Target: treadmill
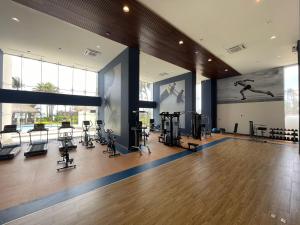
(11, 150)
(38, 147)
(66, 138)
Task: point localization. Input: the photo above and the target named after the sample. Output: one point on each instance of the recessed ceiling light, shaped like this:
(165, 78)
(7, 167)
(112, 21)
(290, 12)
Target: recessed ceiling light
(257, 1)
(196, 52)
(209, 60)
(226, 70)
(273, 37)
(126, 9)
(278, 56)
(15, 19)
(107, 33)
(180, 42)
(98, 46)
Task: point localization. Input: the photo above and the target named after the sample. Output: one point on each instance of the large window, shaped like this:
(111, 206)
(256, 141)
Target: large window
(35, 75)
(145, 115)
(25, 115)
(291, 97)
(146, 91)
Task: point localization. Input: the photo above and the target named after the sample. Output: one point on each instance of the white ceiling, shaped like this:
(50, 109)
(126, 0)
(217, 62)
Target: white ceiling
(225, 23)
(152, 68)
(43, 35)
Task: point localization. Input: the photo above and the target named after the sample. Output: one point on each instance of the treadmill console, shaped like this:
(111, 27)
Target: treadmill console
(86, 123)
(99, 122)
(39, 126)
(9, 128)
(66, 124)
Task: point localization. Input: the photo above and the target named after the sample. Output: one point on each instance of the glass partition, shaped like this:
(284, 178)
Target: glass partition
(35, 75)
(25, 115)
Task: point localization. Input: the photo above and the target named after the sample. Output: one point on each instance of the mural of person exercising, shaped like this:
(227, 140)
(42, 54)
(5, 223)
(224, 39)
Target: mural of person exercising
(247, 87)
(171, 90)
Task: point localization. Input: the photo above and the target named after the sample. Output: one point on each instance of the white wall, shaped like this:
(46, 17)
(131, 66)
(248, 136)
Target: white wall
(270, 114)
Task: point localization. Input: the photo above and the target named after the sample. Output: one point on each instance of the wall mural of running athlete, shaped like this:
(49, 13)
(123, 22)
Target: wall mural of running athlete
(255, 87)
(247, 87)
(172, 99)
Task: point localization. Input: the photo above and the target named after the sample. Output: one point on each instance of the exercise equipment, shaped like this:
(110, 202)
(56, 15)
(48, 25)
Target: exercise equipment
(284, 134)
(63, 141)
(66, 139)
(111, 146)
(152, 126)
(99, 133)
(9, 151)
(171, 129)
(86, 139)
(38, 147)
(139, 133)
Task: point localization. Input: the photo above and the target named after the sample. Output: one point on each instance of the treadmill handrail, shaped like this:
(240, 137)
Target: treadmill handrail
(6, 132)
(36, 130)
(66, 127)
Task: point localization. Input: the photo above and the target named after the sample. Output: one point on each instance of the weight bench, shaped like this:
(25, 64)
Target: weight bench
(192, 146)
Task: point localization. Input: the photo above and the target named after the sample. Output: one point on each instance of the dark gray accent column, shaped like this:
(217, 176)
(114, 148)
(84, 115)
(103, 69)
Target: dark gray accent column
(133, 90)
(209, 100)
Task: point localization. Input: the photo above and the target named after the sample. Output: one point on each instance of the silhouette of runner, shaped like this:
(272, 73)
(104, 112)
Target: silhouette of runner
(248, 87)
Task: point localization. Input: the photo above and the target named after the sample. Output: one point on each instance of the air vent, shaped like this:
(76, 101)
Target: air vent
(236, 48)
(163, 74)
(91, 52)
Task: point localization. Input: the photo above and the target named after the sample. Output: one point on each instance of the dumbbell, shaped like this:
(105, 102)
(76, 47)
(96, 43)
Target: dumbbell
(288, 139)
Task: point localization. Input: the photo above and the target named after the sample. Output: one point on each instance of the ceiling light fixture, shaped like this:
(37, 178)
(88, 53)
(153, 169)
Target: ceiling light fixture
(209, 60)
(98, 46)
(15, 19)
(180, 42)
(273, 37)
(107, 33)
(196, 52)
(226, 70)
(126, 9)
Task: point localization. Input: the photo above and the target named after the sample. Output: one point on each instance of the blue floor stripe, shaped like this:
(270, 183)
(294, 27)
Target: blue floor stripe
(15, 212)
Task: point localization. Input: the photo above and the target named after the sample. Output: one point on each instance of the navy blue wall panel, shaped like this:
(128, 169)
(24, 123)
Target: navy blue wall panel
(29, 97)
(147, 104)
(1, 80)
(190, 97)
(209, 100)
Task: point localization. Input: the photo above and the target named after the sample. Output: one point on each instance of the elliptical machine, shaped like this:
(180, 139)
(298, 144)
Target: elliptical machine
(86, 139)
(99, 133)
(66, 160)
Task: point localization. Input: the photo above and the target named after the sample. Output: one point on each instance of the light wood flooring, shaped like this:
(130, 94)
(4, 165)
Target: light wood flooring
(236, 182)
(23, 180)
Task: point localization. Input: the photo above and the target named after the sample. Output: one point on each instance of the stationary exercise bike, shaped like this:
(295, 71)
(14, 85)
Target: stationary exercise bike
(66, 160)
(86, 139)
(99, 133)
(111, 147)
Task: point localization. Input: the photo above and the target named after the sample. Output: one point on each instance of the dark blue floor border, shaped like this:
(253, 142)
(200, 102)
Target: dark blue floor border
(24, 209)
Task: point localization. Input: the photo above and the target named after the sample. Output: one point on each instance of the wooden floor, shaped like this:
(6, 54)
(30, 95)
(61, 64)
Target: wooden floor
(236, 182)
(23, 180)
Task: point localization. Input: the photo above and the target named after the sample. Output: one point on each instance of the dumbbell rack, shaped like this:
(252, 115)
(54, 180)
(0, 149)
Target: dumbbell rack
(284, 134)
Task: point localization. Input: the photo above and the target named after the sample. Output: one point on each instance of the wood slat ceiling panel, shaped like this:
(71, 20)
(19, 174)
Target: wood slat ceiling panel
(139, 28)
